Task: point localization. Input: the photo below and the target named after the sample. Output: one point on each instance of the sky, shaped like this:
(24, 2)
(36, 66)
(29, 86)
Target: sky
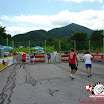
(21, 16)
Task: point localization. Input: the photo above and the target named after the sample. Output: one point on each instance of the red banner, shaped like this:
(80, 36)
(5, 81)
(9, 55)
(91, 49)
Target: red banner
(80, 57)
(64, 58)
(98, 57)
(38, 58)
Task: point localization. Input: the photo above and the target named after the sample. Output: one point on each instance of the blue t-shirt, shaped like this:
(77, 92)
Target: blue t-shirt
(48, 54)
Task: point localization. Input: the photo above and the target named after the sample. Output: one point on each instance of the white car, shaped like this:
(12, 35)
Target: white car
(40, 52)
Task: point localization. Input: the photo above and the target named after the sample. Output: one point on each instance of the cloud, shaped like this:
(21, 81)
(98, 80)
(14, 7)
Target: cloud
(20, 24)
(92, 19)
(1, 24)
(13, 30)
(101, 1)
(31, 19)
(102, 7)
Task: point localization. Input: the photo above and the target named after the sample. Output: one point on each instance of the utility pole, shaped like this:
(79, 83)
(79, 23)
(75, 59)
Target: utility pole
(45, 51)
(89, 45)
(75, 44)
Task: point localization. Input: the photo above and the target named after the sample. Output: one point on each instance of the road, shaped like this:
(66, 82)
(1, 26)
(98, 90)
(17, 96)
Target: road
(47, 84)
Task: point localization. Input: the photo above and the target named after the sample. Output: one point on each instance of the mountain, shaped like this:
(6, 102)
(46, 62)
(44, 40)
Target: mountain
(68, 30)
(62, 32)
(36, 35)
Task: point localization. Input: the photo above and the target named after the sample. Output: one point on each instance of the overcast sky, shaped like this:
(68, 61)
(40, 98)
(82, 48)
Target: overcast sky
(20, 16)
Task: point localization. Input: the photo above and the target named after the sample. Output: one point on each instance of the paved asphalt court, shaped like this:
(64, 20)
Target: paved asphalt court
(47, 84)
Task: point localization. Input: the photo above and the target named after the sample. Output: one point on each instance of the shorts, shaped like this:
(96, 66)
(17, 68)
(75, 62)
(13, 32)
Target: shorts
(88, 65)
(54, 57)
(33, 58)
(48, 57)
(73, 66)
(23, 60)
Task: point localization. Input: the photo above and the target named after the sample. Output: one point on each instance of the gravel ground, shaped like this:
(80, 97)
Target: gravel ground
(47, 84)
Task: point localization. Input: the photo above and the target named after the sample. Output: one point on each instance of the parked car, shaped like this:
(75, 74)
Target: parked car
(40, 52)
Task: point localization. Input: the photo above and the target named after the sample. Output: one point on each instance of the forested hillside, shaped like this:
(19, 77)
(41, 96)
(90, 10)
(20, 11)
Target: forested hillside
(36, 35)
(63, 32)
(67, 31)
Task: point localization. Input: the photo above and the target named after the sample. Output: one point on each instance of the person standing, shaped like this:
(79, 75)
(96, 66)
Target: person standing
(88, 62)
(54, 56)
(49, 57)
(23, 59)
(72, 62)
(31, 53)
(20, 52)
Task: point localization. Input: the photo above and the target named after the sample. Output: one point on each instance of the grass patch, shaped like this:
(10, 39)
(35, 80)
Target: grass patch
(48, 48)
(22, 49)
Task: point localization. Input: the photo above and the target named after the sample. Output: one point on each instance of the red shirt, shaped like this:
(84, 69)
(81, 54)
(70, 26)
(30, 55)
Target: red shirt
(23, 56)
(72, 57)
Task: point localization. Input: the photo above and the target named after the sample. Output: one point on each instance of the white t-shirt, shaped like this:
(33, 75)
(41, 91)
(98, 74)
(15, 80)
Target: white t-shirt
(87, 58)
(54, 53)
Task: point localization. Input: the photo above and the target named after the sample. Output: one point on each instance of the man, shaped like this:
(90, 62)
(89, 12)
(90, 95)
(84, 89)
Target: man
(54, 56)
(49, 57)
(72, 62)
(23, 59)
(20, 52)
(87, 58)
(31, 53)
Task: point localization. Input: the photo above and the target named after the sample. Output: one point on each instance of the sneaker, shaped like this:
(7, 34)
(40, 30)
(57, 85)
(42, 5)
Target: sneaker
(72, 76)
(90, 74)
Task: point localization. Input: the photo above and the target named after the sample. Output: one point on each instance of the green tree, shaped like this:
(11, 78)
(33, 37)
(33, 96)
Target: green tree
(81, 40)
(56, 44)
(79, 36)
(2, 32)
(50, 41)
(3, 37)
(65, 45)
(97, 39)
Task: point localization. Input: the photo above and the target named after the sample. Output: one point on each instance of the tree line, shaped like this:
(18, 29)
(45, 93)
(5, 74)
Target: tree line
(4, 36)
(81, 40)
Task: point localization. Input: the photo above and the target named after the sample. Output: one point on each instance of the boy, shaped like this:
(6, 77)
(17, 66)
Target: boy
(87, 58)
(72, 62)
(23, 59)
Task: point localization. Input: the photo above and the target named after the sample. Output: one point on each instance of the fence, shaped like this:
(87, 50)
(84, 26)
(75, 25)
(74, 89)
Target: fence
(61, 46)
(64, 46)
(47, 45)
(93, 46)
